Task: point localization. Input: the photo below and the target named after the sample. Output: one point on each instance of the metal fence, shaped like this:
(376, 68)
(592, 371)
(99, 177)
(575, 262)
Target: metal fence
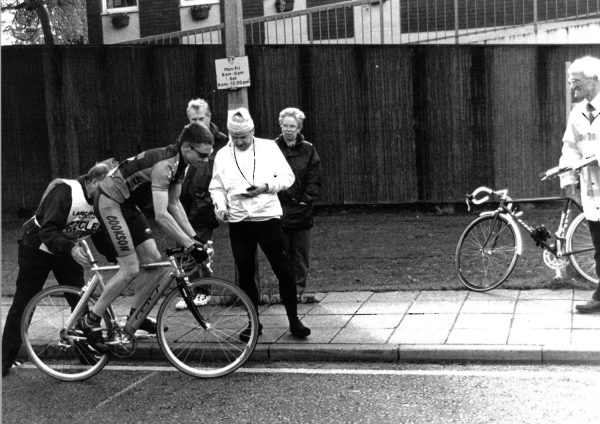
(392, 22)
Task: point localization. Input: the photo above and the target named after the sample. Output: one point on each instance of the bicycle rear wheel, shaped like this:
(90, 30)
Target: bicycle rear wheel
(214, 351)
(579, 239)
(486, 253)
(49, 343)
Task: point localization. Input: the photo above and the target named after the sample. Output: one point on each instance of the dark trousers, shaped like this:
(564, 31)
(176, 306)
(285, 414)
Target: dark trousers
(595, 233)
(245, 236)
(297, 246)
(34, 267)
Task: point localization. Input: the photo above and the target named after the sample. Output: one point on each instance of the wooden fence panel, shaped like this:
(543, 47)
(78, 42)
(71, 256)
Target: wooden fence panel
(392, 124)
(25, 146)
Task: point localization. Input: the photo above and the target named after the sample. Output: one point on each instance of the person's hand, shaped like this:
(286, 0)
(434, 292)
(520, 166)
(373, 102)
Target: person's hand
(256, 191)
(199, 254)
(79, 255)
(221, 215)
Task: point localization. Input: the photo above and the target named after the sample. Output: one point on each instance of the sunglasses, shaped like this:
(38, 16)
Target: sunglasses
(202, 155)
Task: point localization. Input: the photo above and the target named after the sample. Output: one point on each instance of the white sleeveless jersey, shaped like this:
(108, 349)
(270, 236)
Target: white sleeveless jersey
(81, 220)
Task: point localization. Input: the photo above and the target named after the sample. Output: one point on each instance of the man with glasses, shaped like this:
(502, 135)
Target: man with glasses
(127, 228)
(582, 140)
(195, 196)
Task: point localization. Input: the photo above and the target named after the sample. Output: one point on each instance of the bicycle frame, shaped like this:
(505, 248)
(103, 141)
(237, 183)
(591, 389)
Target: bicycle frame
(149, 302)
(514, 216)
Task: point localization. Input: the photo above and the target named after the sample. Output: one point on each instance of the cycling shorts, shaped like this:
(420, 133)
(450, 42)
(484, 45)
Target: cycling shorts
(122, 223)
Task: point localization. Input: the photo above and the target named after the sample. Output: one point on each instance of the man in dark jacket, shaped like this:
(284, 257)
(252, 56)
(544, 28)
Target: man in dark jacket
(49, 244)
(195, 196)
(297, 201)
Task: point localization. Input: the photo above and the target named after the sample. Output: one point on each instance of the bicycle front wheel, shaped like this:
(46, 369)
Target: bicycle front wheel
(216, 349)
(486, 253)
(579, 240)
(48, 342)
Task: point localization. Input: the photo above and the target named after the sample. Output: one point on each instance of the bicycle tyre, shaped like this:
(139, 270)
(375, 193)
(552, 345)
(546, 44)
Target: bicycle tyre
(482, 268)
(216, 351)
(44, 318)
(579, 238)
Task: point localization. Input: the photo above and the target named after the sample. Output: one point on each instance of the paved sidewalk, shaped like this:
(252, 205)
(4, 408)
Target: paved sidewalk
(510, 326)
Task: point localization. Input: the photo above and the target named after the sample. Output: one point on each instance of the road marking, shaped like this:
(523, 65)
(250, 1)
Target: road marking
(433, 373)
(126, 389)
(592, 375)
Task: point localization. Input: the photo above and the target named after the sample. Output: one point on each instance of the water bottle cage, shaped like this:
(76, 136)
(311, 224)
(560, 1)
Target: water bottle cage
(540, 234)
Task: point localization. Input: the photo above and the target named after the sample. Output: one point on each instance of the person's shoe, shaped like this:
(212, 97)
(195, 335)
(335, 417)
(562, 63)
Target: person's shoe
(7, 365)
(245, 335)
(587, 308)
(93, 335)
(298, 329)
(149, 325)
(199, 300)
(85, 354)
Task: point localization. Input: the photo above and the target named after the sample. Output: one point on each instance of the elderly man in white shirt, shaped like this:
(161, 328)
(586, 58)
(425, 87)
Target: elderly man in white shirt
(582, 140)
(247, 175)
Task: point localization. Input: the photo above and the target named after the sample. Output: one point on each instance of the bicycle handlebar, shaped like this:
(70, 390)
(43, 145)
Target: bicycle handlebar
(501, 194)
(575, 166)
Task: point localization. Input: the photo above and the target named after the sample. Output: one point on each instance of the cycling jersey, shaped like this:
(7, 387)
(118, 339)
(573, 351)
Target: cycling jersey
(122, 221)
(160, 167)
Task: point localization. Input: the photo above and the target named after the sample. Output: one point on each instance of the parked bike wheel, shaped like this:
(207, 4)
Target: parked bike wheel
(486, 253)
(214, 351)
(580, 240)
(49, 344)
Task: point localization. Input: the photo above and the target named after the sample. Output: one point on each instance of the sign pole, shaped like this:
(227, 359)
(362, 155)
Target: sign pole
(235, 39)
(235, 47)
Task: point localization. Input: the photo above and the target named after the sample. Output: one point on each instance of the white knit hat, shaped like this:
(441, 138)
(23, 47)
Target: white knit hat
(239, 122)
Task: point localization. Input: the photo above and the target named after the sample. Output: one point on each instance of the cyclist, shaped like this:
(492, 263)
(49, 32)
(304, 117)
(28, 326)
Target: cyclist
(581, 141)
(127, 228)
(49, 244)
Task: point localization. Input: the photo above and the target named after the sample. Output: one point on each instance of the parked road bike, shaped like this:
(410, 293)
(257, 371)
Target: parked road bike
(490, 246)
(202, 341)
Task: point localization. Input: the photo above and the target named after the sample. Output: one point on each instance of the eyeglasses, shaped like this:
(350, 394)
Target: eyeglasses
(202, 155)
(578, 81)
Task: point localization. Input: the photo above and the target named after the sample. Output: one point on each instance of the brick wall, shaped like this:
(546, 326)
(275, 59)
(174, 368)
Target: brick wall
(94, 8)
(253, 9)
(159, 17)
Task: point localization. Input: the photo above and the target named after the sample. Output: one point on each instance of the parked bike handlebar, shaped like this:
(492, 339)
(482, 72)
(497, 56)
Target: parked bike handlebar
(575, 166)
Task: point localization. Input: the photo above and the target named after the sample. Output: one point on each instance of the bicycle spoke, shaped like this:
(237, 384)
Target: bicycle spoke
(216, 350)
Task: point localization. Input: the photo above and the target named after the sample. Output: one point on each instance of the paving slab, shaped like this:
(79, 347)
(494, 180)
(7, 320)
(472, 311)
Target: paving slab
(512, 326)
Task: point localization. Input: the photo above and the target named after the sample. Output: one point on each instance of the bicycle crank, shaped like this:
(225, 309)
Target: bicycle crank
(122, 344)
(554, 262)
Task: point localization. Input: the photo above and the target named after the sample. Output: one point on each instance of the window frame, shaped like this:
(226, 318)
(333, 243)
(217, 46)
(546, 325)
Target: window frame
(114, 10)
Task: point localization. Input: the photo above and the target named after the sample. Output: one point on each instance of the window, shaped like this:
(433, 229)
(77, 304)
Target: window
(195, 2)
(116, 6)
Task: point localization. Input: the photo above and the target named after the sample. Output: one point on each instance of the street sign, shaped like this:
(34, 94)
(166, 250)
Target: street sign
(232, 73)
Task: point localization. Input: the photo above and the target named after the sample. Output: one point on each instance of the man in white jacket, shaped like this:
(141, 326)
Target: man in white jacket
(247, 175)
(581, 140)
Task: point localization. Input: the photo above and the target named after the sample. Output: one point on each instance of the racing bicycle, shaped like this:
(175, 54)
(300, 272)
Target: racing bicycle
(488, 250)
(202, 341)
